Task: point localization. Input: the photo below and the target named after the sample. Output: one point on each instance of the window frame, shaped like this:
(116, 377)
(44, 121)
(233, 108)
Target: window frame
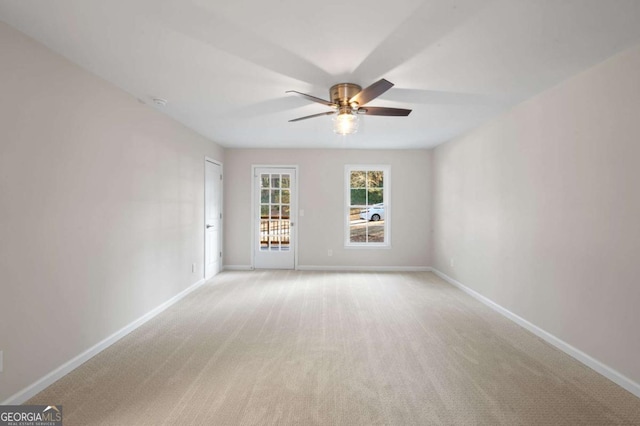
(386, 190)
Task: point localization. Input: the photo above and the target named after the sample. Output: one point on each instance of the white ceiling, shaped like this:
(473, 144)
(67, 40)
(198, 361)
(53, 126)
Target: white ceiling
(224, 66)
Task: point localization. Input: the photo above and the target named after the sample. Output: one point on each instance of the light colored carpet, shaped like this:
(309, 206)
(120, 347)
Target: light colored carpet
(303, 348)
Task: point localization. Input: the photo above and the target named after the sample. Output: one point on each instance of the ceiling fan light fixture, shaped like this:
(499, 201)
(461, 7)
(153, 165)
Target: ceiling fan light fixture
(345, 123)
(349, 100)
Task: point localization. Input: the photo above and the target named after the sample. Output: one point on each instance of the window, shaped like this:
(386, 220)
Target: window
(367, 195)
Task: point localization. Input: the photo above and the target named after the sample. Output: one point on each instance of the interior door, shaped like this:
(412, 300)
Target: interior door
(213, 218)
(274, 219)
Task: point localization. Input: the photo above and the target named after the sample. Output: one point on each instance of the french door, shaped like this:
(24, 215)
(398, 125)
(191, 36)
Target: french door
(274, 217)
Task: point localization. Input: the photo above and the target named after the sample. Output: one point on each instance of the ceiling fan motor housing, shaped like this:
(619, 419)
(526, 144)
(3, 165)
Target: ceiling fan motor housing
(342, 92)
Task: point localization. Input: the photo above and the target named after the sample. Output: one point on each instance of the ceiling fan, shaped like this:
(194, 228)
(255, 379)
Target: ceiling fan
(348, 100)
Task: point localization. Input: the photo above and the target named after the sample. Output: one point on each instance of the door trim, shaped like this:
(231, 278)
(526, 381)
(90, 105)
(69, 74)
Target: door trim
(294, 214)
(204, 219)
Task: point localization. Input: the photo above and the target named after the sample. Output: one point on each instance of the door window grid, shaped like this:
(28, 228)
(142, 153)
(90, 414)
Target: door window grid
(275, 212)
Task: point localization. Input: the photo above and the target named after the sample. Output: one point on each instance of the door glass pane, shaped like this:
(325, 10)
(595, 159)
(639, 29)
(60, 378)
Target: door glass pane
(285, 234)
(275, 212)
(264, 181)
(275, 196)
(264, 211)
(264, 196)
(264, 235)
(285, 196)
(286, 214)
(275, 232)
(275, 181)
(285, 181)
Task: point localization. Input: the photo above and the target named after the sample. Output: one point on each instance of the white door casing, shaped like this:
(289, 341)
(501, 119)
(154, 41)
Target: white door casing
(274, 213)
(213, 218)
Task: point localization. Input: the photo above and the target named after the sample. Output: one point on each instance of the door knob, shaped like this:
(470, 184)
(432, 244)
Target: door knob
(209, 226)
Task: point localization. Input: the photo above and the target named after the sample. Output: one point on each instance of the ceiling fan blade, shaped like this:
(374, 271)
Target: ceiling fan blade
(312, 116)
(313, 98)
(369, 93)
(436, 97)
(396, 112)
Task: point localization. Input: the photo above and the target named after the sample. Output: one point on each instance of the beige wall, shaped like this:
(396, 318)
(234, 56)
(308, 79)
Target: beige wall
(101, 209)
(321, 196)
(540, 211)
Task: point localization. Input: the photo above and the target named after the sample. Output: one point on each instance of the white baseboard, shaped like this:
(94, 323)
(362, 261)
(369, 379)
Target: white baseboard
(237, 268)
(365, 268)
(587, 360)
(38, 386)
(341, 268)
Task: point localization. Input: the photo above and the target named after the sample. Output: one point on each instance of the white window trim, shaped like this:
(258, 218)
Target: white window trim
(386, 168)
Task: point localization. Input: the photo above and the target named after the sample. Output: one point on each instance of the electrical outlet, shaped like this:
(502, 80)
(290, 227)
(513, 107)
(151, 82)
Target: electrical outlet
(1, 361)
(330, 252)
(451, 261)
(193, 267)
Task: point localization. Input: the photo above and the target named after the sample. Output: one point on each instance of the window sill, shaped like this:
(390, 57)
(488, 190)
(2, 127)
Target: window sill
(367, 246)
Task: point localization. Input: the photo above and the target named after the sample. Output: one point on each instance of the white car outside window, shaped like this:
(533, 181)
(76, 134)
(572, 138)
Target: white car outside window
(375, 212)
